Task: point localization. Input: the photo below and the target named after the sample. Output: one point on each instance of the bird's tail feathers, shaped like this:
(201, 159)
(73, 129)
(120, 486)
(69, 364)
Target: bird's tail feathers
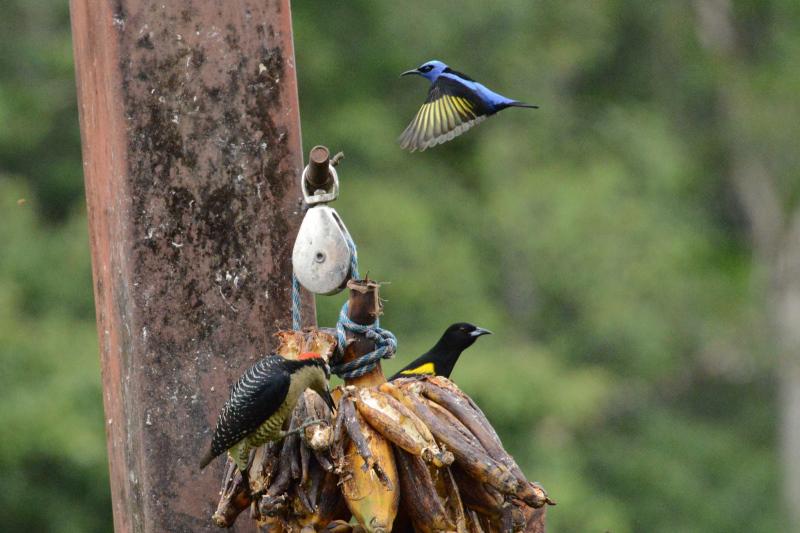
(522, 104)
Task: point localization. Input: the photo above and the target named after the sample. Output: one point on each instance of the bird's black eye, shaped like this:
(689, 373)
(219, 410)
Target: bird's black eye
(426, 68)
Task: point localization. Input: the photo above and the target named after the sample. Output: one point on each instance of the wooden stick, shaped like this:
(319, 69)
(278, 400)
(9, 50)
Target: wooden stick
(364, 308)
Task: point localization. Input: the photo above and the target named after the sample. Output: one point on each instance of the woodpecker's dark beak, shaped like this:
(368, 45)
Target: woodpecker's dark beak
(480, 331)
(328, 399)
(406, 73)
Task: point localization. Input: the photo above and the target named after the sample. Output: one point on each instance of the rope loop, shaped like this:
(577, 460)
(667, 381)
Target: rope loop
(385, 347)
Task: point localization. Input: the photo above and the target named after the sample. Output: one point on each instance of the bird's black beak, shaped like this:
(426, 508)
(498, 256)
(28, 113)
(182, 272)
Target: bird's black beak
(406, 73)
(480, 331)
(328, 399)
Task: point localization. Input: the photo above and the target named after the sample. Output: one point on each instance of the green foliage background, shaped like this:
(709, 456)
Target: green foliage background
(599, 237)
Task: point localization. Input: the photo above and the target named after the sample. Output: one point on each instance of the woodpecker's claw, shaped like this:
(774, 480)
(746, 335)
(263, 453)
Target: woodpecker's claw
(303, 426)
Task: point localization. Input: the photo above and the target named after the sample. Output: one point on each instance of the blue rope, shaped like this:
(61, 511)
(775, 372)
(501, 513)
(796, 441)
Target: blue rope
(385, 347)
(353, 253)
(297, 320)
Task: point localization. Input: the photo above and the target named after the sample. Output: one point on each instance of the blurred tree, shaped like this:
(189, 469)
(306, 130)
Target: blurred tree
(753, 49)
(39, 139)
(54, 465)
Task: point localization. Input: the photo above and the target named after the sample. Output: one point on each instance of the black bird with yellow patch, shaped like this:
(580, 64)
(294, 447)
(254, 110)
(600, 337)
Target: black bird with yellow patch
(441, 359)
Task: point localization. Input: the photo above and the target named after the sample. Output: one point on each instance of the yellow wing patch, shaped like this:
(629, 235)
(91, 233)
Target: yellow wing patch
(439, 121)
(427, 368)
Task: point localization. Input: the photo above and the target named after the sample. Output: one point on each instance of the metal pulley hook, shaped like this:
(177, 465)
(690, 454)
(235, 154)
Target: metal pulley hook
(321, 256)
(320, 182)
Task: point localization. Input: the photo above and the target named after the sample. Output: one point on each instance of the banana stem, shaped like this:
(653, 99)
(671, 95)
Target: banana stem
(364, 308)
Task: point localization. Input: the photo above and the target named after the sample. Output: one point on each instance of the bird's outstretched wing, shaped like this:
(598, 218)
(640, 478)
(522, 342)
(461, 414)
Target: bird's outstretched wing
(450, 110)
(253, 400)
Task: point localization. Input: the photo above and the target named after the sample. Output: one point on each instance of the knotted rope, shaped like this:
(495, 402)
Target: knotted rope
(385, 347)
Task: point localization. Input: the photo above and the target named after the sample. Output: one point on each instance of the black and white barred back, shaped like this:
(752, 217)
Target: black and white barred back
(258, 395)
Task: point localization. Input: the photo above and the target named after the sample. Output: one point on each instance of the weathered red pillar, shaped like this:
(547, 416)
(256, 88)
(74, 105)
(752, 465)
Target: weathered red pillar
(192, 152)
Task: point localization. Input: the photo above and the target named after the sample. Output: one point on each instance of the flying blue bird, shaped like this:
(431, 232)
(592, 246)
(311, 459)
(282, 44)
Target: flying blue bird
(455, 103)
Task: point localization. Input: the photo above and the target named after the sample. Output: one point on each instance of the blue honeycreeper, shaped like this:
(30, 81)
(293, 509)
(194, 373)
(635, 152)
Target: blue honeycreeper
(455, 103)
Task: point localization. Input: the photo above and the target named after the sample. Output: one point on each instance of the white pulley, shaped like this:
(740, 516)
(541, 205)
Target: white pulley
(321, 256)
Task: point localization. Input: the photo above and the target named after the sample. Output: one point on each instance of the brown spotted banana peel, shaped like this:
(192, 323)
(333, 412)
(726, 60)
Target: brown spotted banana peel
(474, 521)
(234, 496)
(304, 497)
(534, 519)
(513, 520)
(446, 394)
(292, 343)
(331, 503)
(323, 496)
(418, 495)
(397, 423)
(370, 484)
(453, 504)
(479, 497)
(473, 460)
(450, 420)
(265, 463)
(269, 524)
(319, 437)
(275, 498)
(338, 526)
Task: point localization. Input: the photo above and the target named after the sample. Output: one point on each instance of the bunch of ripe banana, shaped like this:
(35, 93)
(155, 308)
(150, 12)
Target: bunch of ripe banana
(415, 454)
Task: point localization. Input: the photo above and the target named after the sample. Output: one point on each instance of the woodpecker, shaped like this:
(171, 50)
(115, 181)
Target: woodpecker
(261, 401)
(441, 359)
(455, 103)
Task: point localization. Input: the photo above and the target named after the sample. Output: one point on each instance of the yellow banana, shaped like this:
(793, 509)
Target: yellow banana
(370, 483)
